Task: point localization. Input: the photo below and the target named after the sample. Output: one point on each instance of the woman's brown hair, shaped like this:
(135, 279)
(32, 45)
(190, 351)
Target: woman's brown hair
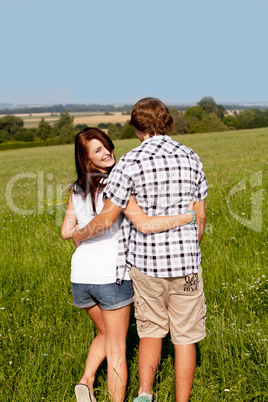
(89, 179)
(151, 116)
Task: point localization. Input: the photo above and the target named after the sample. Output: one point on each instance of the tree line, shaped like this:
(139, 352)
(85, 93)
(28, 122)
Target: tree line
(206, 116)
(62, 132)
(72, 108)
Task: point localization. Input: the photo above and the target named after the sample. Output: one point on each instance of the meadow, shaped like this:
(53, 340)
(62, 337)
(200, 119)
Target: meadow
(44, 339)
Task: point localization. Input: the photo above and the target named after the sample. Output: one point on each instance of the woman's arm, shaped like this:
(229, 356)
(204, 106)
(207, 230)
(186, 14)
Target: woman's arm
(145, 224)
(99, 224)
(153, 224)
(69, 222)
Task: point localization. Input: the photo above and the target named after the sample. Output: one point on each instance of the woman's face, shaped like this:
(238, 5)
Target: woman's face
(99, 156)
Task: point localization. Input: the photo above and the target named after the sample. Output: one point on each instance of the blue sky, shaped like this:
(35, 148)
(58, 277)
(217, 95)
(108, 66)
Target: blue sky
(117, 51)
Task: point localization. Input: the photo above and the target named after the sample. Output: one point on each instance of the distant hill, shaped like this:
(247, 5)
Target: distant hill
(9, 108)
(19, 109)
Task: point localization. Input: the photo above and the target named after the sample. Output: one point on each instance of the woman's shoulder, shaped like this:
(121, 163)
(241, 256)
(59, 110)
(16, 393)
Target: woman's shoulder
(77, 189)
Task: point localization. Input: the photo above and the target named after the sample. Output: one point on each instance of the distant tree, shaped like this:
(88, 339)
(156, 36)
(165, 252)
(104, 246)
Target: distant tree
(127, 131)
(4, 136)
(209, 105)
(265, 118)
(113, 131)
(80, 127)
(213, 123)
(103, 125)
(64, 128)
(119, 126)
(179, 122)
(194, 112)
(247, 119)
(11, 126)
(44, 130)
(193, 117)
(198, 121)
(33, 132)
(252, 118)
(24, 135)
(66, 134)
(221, 111)
(231, 122)
(195, 125)
(65, 119)
(260, 119)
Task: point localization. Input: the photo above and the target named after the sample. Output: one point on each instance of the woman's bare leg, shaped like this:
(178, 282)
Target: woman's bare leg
(96, 352)
(116, 327)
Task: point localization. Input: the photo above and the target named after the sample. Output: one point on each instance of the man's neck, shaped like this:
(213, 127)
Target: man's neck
(144, 137)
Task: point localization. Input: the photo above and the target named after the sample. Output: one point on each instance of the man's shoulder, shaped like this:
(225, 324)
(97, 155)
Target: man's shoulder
(158, 145)
(126, 161)
(132, 153)
(130, 157)
(179, 148)
(189, 152)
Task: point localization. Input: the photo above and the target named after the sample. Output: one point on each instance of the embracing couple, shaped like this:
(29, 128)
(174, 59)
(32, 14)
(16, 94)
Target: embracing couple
(137, 226)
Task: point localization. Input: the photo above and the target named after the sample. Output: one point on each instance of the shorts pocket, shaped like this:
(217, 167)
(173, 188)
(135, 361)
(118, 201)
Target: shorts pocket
(140, 313)
(107, 294)
(79, 293)
(203, 311)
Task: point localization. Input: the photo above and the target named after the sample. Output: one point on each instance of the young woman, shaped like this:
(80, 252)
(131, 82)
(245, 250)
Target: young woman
(93, 267)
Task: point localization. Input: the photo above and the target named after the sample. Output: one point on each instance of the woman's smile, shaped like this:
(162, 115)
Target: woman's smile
(99, 156)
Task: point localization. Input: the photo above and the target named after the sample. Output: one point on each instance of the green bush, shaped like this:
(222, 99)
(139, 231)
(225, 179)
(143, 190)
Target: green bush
(127, 131)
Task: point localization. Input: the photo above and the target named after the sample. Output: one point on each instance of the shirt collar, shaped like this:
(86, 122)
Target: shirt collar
(155, 138)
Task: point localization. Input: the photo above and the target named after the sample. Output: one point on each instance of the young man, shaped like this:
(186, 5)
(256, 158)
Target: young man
(164, 177)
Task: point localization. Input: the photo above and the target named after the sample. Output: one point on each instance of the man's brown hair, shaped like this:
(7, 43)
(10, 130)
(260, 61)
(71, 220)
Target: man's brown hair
(151, 116)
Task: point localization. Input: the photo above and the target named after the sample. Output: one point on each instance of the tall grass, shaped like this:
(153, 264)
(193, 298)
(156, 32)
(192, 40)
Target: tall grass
(44, 339)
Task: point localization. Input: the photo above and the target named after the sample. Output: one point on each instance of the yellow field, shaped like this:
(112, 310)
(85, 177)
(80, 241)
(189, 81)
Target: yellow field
(89, 119)
(95, 120)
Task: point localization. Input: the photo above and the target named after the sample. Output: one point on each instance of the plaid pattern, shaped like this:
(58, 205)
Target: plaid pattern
(163, 176)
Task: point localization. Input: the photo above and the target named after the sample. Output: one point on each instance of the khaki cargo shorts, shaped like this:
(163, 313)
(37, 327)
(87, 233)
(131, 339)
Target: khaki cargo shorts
(175, 305)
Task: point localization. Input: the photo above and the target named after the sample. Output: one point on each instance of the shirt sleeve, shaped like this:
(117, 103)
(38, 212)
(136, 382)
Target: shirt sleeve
(119, 186)
(201, 189)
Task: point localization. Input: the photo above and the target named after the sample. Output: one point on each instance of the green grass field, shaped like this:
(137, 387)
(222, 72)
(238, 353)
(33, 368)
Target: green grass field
(44, 339)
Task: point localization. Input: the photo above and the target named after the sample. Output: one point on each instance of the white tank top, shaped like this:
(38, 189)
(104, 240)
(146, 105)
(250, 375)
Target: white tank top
(95, 260)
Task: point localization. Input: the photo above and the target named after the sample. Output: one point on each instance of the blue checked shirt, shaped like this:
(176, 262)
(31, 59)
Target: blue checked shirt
(163, 176)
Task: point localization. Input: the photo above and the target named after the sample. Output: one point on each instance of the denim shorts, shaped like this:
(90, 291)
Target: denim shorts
(109, 296)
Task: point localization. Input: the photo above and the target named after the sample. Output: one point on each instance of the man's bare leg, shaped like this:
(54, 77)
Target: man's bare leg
(149, 356)
(185, 362)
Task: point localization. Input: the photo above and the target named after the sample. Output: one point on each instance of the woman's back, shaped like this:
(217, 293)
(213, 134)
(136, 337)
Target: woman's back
(95, 260)
(84, 213)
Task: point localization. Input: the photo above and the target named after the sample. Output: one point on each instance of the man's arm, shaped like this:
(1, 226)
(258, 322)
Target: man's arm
(103, 221)
(201, 218)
